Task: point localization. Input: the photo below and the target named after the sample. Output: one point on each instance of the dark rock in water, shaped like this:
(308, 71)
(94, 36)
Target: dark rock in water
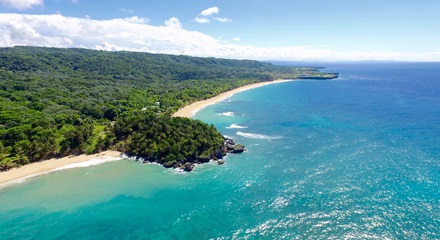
(219, 155)
(169, 164)
(188, 163)
(238, 148)
(230, 147)
(229, 141)
(204, 159)
(178, 164)
(189, 167)
(224, 150)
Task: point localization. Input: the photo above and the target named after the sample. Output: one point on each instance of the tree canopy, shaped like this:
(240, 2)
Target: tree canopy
(56, 102)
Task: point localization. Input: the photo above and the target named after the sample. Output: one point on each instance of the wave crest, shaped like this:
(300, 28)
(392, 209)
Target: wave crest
(257, 136)
(236, 126)
(227, 114)
(91, 162)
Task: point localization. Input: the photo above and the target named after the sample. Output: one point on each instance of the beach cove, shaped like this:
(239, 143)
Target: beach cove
(193, 108)
(16, 175)
(326, 159)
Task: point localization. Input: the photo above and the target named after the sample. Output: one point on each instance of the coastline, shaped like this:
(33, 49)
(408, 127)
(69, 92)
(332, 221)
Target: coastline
(193, 108)
(38, 168)
(55, 164)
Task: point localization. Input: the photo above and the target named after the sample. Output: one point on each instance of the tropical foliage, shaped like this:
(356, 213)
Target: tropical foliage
(56, 102)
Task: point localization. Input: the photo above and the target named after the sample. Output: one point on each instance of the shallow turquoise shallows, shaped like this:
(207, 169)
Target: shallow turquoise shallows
(357, 157)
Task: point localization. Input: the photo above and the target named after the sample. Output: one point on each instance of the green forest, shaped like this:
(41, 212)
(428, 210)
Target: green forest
(57, 102)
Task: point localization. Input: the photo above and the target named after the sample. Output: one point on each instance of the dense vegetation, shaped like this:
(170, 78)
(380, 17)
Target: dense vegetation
(163, 139)
(56, 102)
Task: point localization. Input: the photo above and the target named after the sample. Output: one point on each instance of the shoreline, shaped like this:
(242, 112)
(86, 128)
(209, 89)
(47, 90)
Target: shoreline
(190, 110)
(19, 174)
(22, 173)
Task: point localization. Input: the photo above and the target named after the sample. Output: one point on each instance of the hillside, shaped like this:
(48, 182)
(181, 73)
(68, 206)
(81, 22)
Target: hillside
(56, 102)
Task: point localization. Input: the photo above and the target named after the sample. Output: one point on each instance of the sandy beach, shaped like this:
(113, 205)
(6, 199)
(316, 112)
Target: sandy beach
(55, 164)
(192, 109)
(46, 166)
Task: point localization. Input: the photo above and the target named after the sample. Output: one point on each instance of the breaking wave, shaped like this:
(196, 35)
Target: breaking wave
(91, 162)
(257, 136)
(236, 126)
(227, 114)
(88, 163)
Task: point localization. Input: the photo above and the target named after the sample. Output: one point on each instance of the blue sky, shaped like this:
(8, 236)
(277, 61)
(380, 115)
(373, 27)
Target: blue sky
(258, 29)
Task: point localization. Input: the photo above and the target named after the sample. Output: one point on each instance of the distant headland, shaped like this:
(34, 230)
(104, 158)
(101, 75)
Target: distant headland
(320, 76)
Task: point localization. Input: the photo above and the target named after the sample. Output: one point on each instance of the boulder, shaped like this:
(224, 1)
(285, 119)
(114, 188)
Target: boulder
(224, 150)
(218, 155)
(169, 164)
(204, 158)
(220, 162)
(178, 164)
(230, 147)
(238, 148)
(229, 141)
(189, 167)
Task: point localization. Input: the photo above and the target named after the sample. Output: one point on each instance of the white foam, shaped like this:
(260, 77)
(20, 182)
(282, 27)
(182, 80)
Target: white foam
(227, 114)
(257, 136)
(226, 136)
(91, 162)
(236, 126)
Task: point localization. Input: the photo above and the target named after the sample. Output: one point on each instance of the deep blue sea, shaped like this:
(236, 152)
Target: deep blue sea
(352, 158)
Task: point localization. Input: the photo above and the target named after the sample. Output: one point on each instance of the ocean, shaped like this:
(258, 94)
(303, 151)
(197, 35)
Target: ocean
(353, 158)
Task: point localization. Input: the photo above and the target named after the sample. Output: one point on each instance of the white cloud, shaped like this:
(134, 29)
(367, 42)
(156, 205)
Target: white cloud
(205, 14)
(237, 39)
(210, 11)
(173, 23)
(201, 20)
(136, 19)
(134, 34)
(21, 4)
(223, 19)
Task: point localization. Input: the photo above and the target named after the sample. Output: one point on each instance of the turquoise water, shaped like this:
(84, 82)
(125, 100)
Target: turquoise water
(357, 157)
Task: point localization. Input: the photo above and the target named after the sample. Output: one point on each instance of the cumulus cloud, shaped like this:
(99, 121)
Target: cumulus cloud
(210, 11)
(237, 39)
(135, 34)
(21, 4)
(206, 16)
(173, 23)
(136, 19)
(201, 20)
(223, 19)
